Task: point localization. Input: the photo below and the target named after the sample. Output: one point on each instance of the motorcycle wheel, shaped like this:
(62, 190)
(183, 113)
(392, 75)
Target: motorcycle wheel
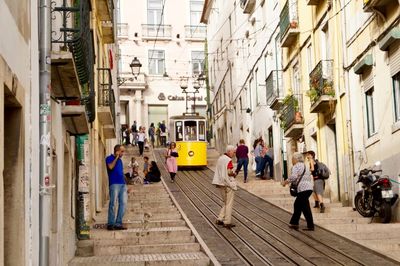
(386, 212)
(360, 206)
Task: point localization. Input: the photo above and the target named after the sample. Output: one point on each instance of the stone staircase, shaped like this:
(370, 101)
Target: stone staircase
(157, 232)
(383, 238)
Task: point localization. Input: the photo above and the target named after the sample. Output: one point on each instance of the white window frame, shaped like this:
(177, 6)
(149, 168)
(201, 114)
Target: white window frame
(396, 97)
(151, 57)
(370, 112)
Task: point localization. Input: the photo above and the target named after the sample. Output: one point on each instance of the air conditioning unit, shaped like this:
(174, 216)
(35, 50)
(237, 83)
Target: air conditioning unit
(247, 5)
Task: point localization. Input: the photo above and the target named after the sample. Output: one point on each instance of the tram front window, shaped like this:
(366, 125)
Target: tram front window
(190, 130)
(178, 131)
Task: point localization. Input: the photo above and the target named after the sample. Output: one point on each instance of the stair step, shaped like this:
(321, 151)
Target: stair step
(340, 220)
(379, 235)
(150, 224)
(168, 259)
(102, 250)
(144, 240)
(129, 217)
(158, 235)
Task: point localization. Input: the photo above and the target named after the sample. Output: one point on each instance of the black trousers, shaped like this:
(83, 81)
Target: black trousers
(302, 205)
(141, 146)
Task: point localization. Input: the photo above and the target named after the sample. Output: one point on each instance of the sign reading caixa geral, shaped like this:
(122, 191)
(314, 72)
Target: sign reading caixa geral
(162, 97)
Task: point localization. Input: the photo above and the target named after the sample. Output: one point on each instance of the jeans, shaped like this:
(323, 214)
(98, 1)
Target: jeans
(269, 163)
(141, 147)
(302, 205)
(117, 191)
(242, 162)
(259, 164)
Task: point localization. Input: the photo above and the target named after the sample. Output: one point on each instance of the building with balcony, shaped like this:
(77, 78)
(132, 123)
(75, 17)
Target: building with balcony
(373, 71)
(169, 46)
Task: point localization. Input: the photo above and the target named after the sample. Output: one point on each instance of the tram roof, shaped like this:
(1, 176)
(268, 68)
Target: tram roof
(187, 116)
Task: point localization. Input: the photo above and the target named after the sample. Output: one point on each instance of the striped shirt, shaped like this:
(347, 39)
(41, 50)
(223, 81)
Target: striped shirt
(306, 182)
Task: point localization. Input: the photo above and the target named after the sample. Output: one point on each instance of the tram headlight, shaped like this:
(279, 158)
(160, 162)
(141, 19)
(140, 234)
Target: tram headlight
(191, 153)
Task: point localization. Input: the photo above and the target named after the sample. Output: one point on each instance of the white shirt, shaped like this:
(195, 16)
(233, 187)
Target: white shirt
(221, 177)
(141, 137)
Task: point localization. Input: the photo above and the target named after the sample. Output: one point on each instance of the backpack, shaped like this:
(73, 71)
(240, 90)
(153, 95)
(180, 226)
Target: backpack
(323, 170)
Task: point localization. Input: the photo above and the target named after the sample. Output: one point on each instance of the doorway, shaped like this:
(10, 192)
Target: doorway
(13, 185)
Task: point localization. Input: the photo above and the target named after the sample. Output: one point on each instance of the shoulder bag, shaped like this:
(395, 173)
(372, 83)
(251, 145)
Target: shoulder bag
(293, 186)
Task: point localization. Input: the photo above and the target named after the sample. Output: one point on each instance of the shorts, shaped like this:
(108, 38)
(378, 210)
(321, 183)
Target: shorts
(319, 186)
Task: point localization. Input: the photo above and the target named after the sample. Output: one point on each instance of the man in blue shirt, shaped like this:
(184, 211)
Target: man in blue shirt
(117, 187)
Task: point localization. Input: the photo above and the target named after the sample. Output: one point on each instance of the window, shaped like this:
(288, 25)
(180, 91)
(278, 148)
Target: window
(196, 8)
(154, 10)
(156, 62)
(270, 137)
(396, 96)
(190, 130)
(309, 59)
(370, 116)
(178, 131)
(202, 131)
(197, 62)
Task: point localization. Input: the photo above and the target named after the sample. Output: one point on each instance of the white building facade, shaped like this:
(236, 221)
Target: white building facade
(168, 40)
(245, 77)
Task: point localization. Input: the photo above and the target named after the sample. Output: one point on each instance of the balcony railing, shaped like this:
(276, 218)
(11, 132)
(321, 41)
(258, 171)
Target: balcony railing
(274, 89)
(291, 116)
(122, 30)
(106, 97)
(289, 23)
(154, 30)
(195, 32)
(321, 81)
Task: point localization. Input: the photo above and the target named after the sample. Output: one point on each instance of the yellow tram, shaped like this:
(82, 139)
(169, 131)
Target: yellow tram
(189, 133)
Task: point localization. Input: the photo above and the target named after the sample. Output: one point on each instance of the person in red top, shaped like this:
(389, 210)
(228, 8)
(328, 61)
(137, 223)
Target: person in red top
(242, 152)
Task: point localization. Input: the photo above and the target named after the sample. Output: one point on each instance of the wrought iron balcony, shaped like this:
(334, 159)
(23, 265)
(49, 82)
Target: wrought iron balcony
(322, 92)
(289, 23)
(247, 5)
(291, 116)
(106, 103)
(151, 31)
(274, 89)
(373, 5)
(72, 29)
(195, 32)
(122, 30)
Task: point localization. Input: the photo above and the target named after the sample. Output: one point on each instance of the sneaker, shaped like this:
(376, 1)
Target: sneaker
(120, 227)
(218, 222)
(258, 174)
(110, 227)
(229, 226)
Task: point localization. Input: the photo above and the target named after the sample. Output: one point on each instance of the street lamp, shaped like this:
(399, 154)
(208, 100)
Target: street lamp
(135, 66)
(197, 84)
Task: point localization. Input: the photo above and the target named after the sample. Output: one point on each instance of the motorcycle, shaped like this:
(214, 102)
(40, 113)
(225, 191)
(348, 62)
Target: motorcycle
(376, 195)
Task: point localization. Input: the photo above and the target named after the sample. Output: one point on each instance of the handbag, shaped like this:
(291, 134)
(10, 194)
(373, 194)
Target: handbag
(293, 186)
(174, 154)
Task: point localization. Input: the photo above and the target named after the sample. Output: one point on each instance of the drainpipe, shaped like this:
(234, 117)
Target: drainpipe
(348, 113)
(44, 130)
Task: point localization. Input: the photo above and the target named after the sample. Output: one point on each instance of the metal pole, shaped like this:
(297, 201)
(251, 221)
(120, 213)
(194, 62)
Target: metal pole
(194, 102)
(44, 130)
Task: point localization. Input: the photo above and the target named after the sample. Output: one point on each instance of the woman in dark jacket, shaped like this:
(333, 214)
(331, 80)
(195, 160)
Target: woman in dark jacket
(154, 174)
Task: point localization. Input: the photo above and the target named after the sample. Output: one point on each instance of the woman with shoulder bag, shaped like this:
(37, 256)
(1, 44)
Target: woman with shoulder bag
(172, 164)
(301, 177)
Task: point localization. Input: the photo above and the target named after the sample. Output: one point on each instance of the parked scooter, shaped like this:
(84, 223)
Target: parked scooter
(376, 195)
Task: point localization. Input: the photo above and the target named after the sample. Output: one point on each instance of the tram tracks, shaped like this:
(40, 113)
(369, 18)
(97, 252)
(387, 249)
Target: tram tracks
(262, 236)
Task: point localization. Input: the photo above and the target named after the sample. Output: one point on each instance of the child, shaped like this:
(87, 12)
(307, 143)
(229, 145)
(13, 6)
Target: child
(133, 166)
(145, 165)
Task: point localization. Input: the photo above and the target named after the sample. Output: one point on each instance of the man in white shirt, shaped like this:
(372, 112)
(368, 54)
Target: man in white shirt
(224, 179)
